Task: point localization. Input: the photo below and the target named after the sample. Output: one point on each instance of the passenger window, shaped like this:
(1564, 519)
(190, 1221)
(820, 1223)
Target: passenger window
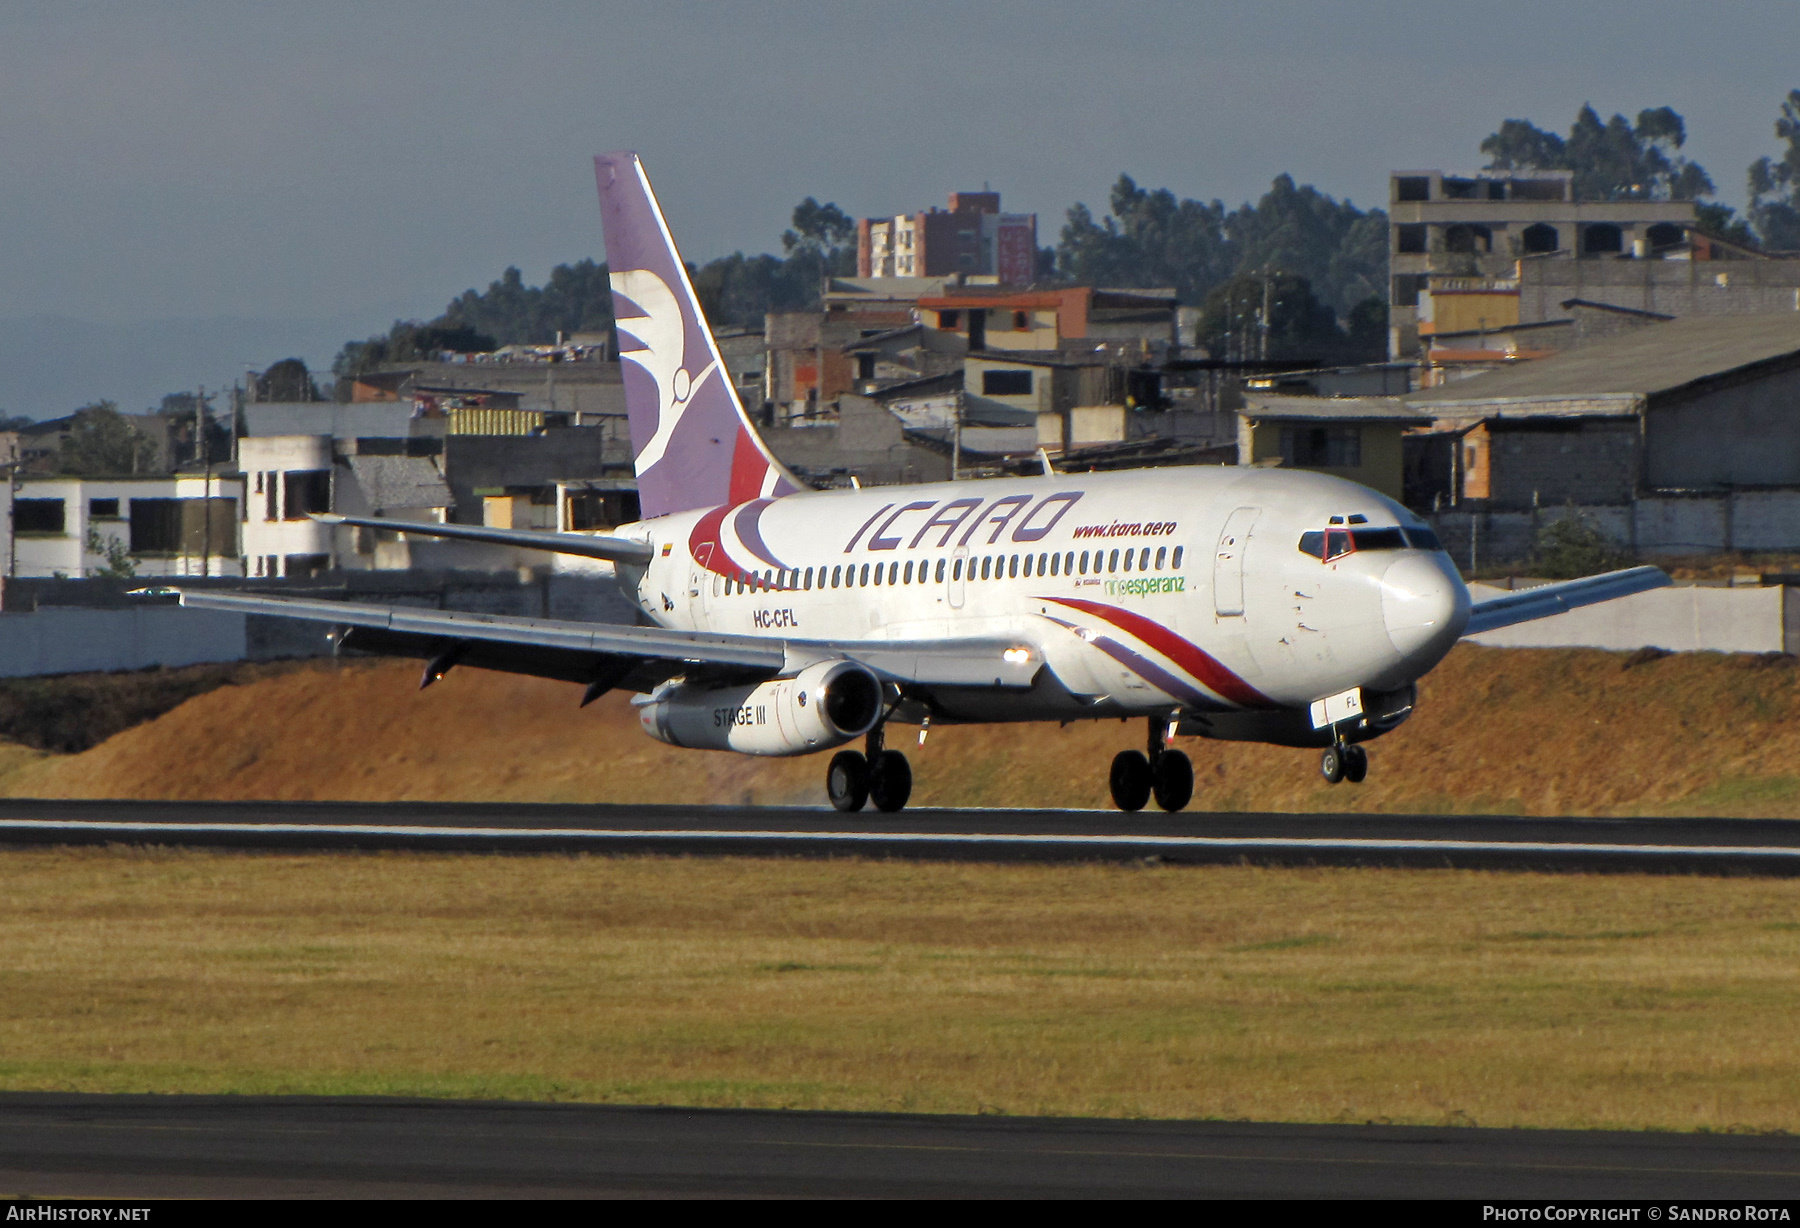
(940, 571)
(909, 571)
(1114, 562)
(986, 564)
(878, 570)
(1128, 555)
(1054, 560)
(893, 573)
(1161, 551)
(1043, 562)
(1175, 560)
(957, 574)
(862, 579)
(837, 574)
(1012, 567)
(809, 572)
(1144, 560)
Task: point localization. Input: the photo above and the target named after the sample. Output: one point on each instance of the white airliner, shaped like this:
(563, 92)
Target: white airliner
(1266, 605)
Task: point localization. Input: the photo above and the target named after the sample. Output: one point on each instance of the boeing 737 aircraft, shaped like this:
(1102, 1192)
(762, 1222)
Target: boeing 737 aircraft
(1269, 605)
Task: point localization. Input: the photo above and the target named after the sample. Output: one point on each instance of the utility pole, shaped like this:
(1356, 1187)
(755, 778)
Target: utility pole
(1263, 355)
(12, 525)
(956, 439)
(206, 480)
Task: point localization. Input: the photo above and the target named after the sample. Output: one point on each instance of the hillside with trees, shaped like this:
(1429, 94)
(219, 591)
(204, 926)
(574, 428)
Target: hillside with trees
(1321, 261)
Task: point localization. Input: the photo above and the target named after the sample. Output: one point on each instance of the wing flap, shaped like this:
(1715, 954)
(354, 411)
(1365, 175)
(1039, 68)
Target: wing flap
(1546, 600)
(557, 649)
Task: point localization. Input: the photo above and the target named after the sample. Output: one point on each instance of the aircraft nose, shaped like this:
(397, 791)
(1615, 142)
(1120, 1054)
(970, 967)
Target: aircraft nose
(1424, 604)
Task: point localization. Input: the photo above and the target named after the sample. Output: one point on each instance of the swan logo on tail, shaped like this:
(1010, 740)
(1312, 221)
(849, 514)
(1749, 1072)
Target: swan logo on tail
(693, 445)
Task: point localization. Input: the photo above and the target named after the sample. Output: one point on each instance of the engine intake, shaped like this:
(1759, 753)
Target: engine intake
(825, 705)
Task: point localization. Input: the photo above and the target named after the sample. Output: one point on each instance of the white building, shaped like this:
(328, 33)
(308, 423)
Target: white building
(186, 525)
(289, 477)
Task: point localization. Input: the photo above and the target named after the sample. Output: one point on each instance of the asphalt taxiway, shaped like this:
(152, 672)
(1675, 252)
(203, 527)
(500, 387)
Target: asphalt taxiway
(223, 1146)
(1673, 845)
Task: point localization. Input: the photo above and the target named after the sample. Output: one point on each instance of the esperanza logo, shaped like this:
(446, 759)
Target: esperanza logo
(1156, 528)
(1143, 586)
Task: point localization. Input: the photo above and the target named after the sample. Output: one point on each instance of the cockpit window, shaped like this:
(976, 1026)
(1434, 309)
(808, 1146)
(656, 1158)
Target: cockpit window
(1379, 539)
(1333, 544)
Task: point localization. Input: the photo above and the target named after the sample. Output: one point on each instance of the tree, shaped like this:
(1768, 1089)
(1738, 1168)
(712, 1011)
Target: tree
(1151, 238)
(1299, 325)
(120, 563)
(102, 442)
(1573, 546)
(1775, 184)
(287, 380)
(1148, 239)
(1613, 159)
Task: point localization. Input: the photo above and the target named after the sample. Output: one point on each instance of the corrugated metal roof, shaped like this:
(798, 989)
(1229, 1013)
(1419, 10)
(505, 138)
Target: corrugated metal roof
(1649, 360)
(1340, 409)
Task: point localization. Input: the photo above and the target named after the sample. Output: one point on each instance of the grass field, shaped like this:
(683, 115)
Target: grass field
(1322, 995)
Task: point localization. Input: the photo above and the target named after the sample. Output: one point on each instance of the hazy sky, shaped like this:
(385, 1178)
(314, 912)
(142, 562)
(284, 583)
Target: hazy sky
(209, 179)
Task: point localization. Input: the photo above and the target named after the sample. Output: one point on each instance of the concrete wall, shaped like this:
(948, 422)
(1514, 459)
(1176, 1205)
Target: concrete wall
(60, 640)
(1686, 619)
(1761, 520)
(1746, 435)
(1672, 287)
(1552, 462)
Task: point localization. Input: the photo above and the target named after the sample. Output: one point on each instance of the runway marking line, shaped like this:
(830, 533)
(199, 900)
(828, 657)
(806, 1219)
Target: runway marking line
(1409, 1162)
(600, 835)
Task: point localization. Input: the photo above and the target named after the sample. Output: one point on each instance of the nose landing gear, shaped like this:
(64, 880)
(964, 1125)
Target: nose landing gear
(1343, 762)
(881, 776)
(1162, 773)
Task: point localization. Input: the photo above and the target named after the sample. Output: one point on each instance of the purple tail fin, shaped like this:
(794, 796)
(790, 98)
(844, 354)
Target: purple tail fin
(693, 445)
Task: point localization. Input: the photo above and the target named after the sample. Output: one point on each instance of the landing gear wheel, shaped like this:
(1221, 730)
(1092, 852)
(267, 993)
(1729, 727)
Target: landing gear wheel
(1130, 780)
(1331, 764)
(1356, 764)
(890, 781)
(847, 780)
(1172, 780)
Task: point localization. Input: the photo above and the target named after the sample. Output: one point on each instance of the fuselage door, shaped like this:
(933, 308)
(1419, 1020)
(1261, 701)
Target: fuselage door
(700, 579)
(1228, 562)
(954, 580)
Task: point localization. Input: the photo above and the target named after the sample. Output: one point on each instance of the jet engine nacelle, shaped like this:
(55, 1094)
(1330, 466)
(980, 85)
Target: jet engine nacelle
(825, 705)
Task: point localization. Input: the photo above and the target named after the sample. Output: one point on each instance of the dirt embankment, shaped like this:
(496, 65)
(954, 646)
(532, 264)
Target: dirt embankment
(1502, 730)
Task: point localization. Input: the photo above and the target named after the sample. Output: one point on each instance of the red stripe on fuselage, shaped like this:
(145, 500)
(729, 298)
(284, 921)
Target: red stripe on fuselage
(1189, 656)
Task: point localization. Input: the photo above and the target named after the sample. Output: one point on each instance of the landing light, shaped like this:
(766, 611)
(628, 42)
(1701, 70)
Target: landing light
(1016, 656)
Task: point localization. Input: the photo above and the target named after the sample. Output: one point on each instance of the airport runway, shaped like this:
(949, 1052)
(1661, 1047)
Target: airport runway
(1683, 846)
(223, 1146)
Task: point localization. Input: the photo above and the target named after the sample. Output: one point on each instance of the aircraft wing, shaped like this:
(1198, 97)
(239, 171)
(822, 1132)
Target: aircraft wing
(613, 549)
(1529, 604)
(633, 657)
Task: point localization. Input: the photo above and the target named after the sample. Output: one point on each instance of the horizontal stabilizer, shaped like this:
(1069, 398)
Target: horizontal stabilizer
(612, 549)
(1531, 604)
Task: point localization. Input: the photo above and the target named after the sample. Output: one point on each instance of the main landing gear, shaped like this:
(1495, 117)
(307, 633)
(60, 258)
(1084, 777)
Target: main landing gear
(881, 776)
(1157, 771)
(1344, 762)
